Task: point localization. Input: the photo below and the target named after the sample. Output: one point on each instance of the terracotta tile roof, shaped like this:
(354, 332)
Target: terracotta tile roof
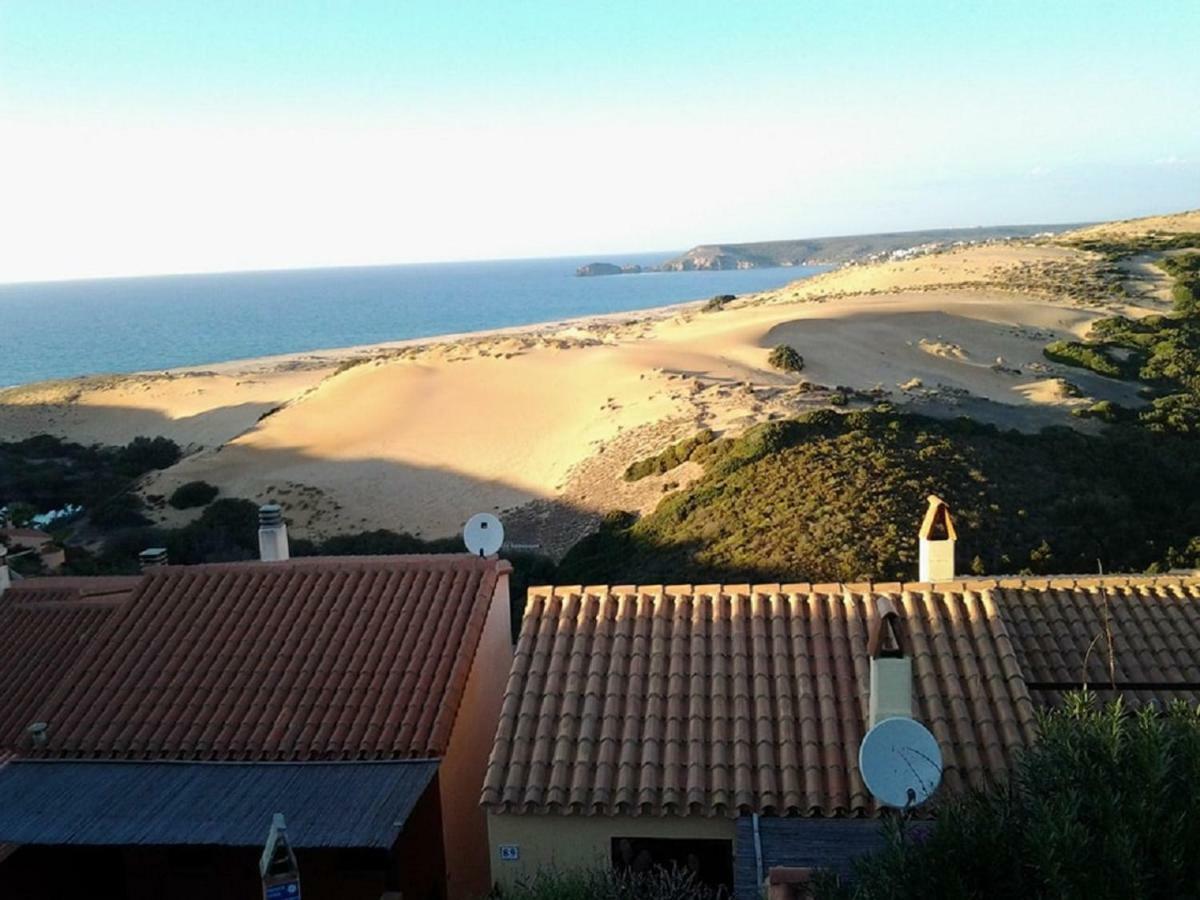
(722, 700)
(317, 658)
(1058, 630)
(45, 623)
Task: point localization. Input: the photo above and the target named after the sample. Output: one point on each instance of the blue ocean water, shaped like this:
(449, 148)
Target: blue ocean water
(61, 329)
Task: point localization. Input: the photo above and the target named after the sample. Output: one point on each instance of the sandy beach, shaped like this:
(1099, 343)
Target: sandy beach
(538, 423)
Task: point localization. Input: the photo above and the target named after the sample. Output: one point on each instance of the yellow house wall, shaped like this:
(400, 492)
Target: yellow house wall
(574, 842)
(460, 774)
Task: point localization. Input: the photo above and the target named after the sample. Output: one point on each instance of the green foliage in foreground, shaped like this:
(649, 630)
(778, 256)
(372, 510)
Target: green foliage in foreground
(606, 884)
(193, 494)
(786, 359)
(831, 497)
(1102, 806)
(677, 454)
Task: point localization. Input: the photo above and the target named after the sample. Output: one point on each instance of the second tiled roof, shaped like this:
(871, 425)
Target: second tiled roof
(727, 700)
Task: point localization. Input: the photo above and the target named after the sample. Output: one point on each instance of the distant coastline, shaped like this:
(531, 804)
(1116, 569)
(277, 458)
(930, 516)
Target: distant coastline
(824, 251)
(82, 328)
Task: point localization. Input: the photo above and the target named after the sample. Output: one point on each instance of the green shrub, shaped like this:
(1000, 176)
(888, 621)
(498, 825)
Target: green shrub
(1075, 353)
(124, 510)
(718, 302)
(46, 472)
(786, 359)
(1105, 411)
(143, 454)
(1102, 806)
(192, 494)
(1186, 297)
(668, 459)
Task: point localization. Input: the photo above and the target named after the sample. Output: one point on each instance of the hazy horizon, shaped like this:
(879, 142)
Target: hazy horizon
(617, 256)
(204, 137)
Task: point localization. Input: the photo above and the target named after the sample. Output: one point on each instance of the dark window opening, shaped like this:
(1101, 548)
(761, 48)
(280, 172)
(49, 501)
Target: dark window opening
(362, 861)
(188, 858)
(711, 861)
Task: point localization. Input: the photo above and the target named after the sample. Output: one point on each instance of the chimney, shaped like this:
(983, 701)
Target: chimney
(272, 534)
(152, 557)
(5, 578)
(891, 666)
(38, 733)
(937, 542)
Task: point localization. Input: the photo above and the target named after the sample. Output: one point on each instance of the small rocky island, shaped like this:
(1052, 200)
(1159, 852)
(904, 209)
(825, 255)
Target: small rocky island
(603, 268)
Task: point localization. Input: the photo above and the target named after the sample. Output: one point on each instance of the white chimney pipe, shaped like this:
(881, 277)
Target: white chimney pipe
(272, 534)
(937, 540)
(5, 578)
(891, 667)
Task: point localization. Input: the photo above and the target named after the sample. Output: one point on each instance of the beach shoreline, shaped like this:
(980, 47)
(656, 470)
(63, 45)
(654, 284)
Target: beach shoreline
(537, 423)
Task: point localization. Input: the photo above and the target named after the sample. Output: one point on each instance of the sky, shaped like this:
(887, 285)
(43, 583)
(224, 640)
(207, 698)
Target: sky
(156, 136)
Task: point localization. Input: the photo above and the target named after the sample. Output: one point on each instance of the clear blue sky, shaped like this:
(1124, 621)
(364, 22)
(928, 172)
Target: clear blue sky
(160, 136)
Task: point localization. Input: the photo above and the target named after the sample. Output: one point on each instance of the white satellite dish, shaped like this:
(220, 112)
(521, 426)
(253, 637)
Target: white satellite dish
(483, 534)
(900, 762)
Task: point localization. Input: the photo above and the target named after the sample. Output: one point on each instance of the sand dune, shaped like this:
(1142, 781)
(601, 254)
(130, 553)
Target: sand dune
(539, 423)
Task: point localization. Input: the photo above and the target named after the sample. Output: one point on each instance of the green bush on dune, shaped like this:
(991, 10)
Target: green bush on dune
(1084, 356)
(786, 359)
(192, 494)
(673, 456)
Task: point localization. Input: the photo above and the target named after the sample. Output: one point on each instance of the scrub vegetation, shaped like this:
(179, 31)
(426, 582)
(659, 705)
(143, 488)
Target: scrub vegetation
(786, 358)
(839, 497)
(694, 448)
(1102, 806)
(1160, 351)
(193, 494)
(45, 473)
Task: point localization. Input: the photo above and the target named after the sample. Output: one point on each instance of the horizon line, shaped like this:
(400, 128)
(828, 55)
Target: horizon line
(255, 270)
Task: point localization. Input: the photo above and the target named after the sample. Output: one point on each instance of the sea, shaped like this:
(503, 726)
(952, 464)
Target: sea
(68, 328)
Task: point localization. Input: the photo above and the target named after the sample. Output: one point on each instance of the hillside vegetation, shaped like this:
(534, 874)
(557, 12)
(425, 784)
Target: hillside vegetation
(839, 497)
(1161, 351)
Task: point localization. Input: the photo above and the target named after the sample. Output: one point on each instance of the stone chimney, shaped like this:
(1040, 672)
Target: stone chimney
(937, 542)
(5, 578)
(152, 557)
(891, 666)
(272, 534)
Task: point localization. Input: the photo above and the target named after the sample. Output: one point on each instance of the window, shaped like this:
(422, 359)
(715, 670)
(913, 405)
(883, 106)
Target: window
(710, 860)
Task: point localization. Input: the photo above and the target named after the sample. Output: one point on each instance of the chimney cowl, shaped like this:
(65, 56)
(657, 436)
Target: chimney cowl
(890, 667)
(153, 557)
(272, 534)
(38, 733)
(937, 538)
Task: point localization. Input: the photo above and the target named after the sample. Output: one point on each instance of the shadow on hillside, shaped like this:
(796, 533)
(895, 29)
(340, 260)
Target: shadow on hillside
(88, 424)
(325, 497)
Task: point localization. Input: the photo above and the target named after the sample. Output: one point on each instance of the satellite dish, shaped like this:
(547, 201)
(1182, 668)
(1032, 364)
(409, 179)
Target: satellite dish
(900, 762)
(483, 534)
